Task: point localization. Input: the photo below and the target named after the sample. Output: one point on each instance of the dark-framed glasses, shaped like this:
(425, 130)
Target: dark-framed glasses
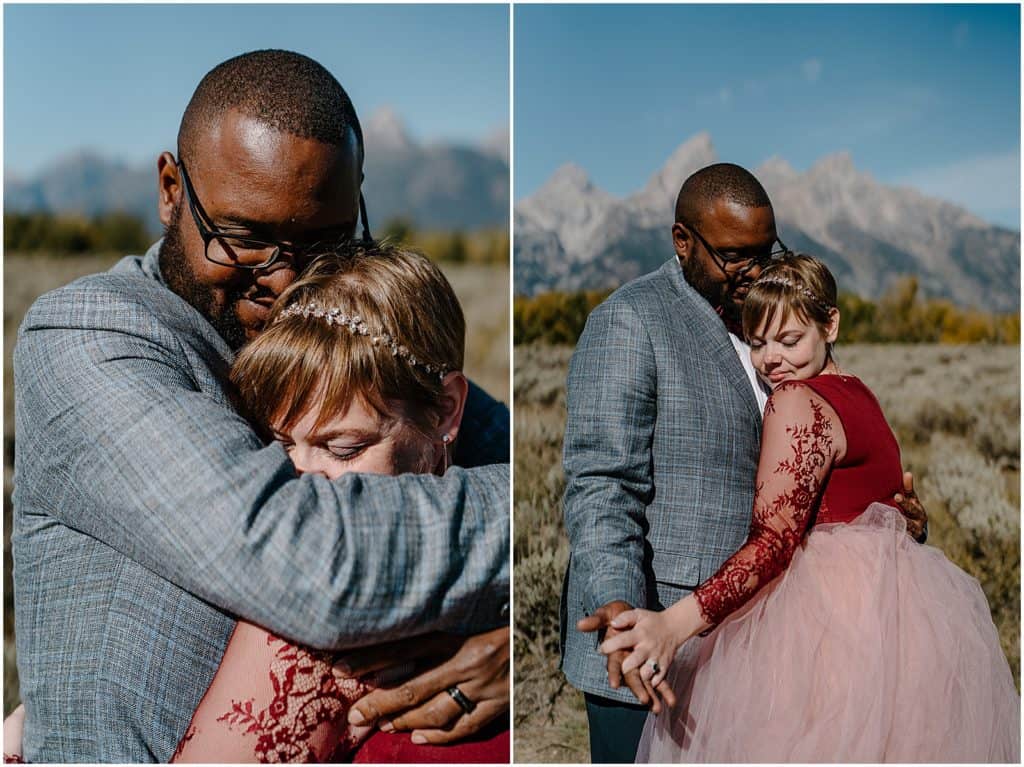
(243, 252)
(744, 260)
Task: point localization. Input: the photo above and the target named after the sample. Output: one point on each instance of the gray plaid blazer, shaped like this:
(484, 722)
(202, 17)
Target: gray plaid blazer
(147, 514)
(660, 455)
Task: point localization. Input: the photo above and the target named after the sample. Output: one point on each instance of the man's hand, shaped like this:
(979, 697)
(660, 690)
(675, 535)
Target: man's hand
(600, 620)
(651, 639)
(478, 665)
(913, 511)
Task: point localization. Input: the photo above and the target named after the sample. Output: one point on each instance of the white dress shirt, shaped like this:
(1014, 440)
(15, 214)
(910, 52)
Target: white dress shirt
(761, 390)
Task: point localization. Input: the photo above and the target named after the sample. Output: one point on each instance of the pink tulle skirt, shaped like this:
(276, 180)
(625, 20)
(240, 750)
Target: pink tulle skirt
(869, 648)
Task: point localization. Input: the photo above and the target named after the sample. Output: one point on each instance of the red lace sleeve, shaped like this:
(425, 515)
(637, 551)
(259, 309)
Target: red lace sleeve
(797, 451)
(272, 701)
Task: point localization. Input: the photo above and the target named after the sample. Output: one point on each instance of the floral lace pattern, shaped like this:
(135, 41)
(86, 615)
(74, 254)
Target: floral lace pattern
(189, 734)
(796, 455)
(306, 696)
(272, 701)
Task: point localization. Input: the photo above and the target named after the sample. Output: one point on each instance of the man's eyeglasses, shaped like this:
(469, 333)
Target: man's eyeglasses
(228, 249)
(746, 260)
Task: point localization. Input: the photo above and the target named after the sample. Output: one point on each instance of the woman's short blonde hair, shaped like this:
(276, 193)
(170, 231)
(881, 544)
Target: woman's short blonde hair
(796, 283)
(301, 360)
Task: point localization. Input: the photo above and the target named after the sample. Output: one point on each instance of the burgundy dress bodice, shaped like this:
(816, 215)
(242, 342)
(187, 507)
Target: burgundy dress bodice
(870, 472)
(800, 484)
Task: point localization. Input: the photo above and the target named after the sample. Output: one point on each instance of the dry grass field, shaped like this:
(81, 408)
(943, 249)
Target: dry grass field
(482, 290)
(956, 412)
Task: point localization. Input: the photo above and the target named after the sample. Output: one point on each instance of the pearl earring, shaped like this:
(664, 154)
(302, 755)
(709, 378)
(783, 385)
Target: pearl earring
(444, 448)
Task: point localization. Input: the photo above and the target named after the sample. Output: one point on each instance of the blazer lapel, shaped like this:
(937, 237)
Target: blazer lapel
(714, 335)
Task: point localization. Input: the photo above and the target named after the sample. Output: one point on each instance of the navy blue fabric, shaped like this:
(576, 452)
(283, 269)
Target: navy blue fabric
(615, 729)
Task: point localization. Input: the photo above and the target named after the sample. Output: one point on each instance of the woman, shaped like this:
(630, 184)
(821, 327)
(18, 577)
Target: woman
(835, 637)
(358, 370)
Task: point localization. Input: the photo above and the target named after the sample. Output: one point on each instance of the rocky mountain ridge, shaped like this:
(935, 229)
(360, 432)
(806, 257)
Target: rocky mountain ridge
(572, 235)
(437, 185)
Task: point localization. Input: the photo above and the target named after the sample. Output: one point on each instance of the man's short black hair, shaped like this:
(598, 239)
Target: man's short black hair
(722, 180)
(283, 90)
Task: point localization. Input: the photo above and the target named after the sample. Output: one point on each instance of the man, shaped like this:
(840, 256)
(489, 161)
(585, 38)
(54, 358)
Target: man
(662, 440)
(148, 514)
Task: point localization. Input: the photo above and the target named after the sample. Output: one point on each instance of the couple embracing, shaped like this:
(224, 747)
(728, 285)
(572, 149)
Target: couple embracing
(746, 550)
(260, 513)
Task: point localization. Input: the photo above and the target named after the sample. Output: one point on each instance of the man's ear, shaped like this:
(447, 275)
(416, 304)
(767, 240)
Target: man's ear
(456, 390)
(169, 191)
(682, 240)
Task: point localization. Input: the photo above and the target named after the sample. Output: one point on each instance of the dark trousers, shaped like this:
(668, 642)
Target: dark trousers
(615, 729)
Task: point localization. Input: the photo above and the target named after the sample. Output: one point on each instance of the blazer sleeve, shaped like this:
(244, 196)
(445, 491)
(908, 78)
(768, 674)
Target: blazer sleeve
(612, 404)
(119, 442)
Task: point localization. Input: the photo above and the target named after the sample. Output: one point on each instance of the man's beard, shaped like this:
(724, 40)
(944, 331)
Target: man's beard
(717, 294)
(178, 274)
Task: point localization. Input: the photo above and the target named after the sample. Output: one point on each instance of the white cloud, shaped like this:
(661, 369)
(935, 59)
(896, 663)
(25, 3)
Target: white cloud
(883, 113)
(811, 69)
(727, 94)
(985, 184)
(960, 33)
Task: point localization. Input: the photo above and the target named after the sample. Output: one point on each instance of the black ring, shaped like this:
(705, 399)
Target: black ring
(460, 697)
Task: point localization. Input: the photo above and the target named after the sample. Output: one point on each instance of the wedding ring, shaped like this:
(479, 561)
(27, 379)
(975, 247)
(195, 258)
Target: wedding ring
(460, 697)
(655, 668)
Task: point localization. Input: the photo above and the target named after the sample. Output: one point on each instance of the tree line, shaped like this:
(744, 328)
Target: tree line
(902, 315)
(490, 245)
(75, 234)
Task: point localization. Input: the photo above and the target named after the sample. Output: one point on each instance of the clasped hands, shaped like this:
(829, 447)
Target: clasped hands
(640, 644)
(631, 638)
(478, 665)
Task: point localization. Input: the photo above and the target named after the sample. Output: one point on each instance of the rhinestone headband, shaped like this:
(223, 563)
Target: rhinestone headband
(786, 282)
(358, 327)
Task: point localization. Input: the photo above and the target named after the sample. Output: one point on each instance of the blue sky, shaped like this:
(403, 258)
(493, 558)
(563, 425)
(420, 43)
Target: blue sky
(922, 95)
(117, 78)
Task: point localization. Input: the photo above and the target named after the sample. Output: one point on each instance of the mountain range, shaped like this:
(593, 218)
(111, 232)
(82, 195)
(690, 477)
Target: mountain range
(572, 235)
(436, 185)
